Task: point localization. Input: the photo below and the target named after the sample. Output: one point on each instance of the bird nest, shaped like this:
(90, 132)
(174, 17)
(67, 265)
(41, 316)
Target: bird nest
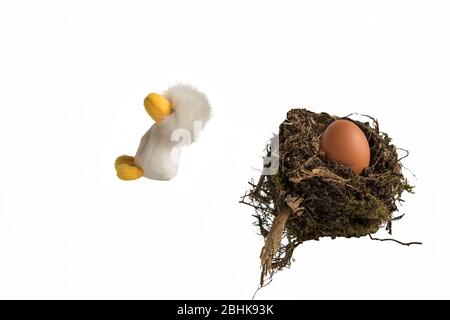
(310, 197)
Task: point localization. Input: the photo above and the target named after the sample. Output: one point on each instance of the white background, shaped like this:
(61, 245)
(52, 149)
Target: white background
(73, 75)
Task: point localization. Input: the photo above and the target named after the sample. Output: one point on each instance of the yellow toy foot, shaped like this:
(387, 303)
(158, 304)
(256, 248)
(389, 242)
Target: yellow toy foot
(124, 159)
(126, 168)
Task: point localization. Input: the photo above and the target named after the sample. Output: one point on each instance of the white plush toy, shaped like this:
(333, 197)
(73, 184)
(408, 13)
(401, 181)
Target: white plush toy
(180, 114)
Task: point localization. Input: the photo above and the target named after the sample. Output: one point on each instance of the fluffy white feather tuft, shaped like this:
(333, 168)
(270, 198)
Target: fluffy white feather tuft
(191, 111)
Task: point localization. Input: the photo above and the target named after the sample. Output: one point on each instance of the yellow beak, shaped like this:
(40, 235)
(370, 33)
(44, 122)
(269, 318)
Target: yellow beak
(157, 106)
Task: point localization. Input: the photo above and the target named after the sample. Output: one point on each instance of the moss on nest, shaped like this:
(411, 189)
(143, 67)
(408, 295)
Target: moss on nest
(322, 198)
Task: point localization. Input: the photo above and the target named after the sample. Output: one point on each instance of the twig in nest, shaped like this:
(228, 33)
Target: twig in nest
(262, 177)
(324, 174)
(260, 223)
(405, 156)
(399, 242)
(260, 287)
(272, 243)
(398, 217)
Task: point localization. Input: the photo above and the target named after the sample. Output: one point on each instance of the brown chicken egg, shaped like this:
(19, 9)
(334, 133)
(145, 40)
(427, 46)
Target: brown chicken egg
(344, 142)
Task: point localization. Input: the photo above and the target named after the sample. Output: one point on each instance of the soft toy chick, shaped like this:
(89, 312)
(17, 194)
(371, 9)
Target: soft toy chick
(180, 114)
